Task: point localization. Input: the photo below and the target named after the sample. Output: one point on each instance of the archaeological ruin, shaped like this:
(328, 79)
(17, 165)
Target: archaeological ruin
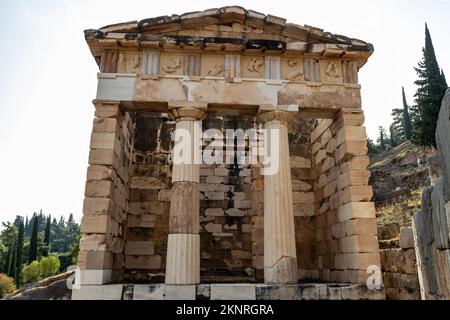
(156, 229)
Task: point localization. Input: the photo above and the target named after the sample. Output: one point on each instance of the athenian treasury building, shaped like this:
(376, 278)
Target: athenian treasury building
(156, 228)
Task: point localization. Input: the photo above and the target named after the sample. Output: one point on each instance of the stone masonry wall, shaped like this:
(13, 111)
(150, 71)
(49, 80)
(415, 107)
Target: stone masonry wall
(150, 189)
(398, 262)
(101, 256)
(231, 205)
(431, 224)
(345, 218)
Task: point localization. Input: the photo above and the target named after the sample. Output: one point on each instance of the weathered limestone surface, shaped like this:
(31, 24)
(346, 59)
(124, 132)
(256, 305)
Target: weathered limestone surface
(98, 292)
(280, 257)
(233, 292)
(431, 224)
(183, 247)
(346, 227)
(443, 142)
(305, 291)
(398, 262)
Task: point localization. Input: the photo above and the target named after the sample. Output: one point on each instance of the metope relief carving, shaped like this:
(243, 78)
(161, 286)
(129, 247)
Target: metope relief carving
(332, 70)
(173, 66)
(292, 69)
(255, 65)
(128, 62)
(216, 71)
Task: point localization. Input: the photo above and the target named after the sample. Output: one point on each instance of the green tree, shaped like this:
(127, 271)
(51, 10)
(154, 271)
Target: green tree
(75, 249)
(8, 238)
(33, 253)
(31, 272)
(430, 92)
(393, 136)
(398, 125)
(47, 237)
(19, 253)
(407, 125)
(3, 252)
(49, 266)
(382, 139)
(12, 259)
(38, 270)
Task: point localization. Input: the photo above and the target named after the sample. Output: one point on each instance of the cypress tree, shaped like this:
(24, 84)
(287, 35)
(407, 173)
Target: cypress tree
(33, 253)
(382, 139)
(47, 237)
(12, 260)
(431, 89)
(19, 252)
(407, 125)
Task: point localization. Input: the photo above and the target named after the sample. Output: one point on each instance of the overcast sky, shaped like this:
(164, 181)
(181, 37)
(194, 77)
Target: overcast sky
(48, 78)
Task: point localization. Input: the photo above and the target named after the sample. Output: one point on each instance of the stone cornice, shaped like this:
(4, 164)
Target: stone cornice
(273, 34)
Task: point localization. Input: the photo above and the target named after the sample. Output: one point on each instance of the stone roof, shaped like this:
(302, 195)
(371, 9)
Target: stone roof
(167, 28)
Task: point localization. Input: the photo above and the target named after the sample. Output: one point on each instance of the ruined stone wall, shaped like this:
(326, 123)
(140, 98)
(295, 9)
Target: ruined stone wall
(231, 204)
(398, 262)
(431, 224)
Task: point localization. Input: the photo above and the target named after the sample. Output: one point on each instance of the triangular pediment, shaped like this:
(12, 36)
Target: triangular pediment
(229, 22)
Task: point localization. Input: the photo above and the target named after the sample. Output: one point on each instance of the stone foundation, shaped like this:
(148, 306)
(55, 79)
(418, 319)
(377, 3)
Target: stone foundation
(228, 292)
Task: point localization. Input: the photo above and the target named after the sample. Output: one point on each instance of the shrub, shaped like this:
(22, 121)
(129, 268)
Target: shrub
(31, 273)
(6, 285)
(38, 270)
(49, 266)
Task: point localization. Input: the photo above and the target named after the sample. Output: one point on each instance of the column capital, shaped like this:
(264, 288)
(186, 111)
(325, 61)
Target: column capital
(275, 115)
(187, 110)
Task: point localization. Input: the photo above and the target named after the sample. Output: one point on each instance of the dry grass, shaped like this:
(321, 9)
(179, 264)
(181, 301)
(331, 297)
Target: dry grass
(402, 210)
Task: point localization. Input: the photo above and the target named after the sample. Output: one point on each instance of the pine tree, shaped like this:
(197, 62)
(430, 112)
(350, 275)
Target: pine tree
(33, 253)
(47, 237)
(431, 89)
(407, 125)
(19, 253)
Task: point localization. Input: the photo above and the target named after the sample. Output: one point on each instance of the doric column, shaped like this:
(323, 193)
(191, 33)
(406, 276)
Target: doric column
(280, 258)
(183, 250)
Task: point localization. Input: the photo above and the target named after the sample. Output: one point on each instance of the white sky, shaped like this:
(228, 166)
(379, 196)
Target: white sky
(48, 78)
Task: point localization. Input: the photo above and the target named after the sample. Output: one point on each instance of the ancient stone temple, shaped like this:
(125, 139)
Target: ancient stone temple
(156, 229)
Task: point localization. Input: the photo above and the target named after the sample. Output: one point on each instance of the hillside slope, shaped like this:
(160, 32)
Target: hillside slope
(398, 179)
